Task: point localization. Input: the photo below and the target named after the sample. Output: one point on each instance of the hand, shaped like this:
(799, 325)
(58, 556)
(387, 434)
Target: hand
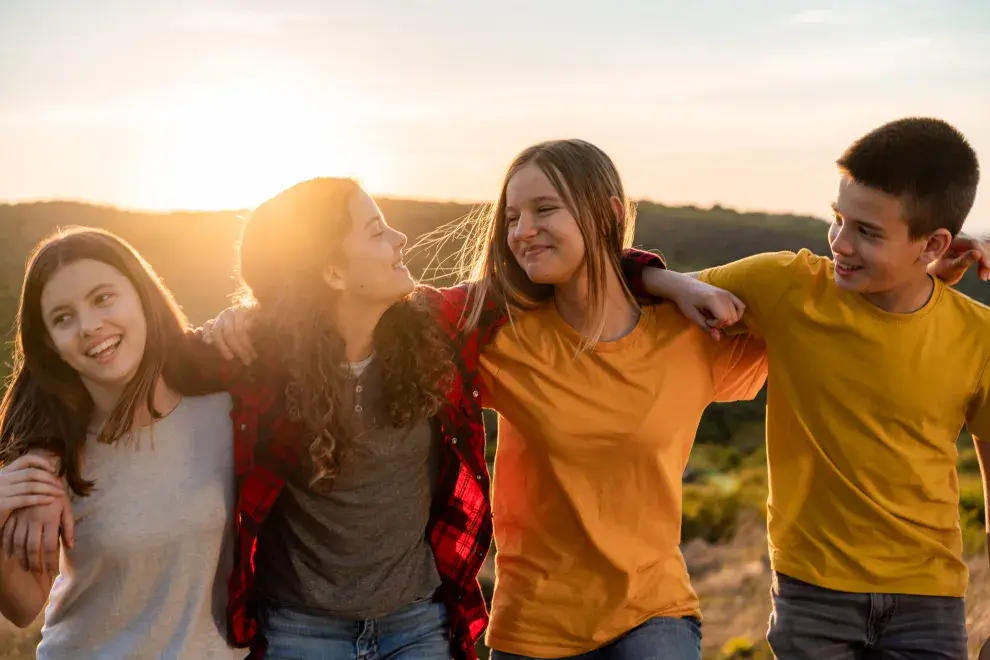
(963, 252)
(32, 533)
(28, 481)
(229, 333)
(709, 307)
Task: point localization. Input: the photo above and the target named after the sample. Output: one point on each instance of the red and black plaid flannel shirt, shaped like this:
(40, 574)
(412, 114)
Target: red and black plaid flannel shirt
(267, 447)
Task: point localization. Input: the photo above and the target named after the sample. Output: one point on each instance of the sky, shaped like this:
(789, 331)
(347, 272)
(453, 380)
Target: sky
(178, 104)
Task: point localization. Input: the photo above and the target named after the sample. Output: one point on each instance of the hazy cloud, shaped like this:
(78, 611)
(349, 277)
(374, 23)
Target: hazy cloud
(247, 22)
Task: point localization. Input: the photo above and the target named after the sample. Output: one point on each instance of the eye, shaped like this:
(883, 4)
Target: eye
(543, 210)
(60, 319)
(103, 298)
(512, 219)
(869, 234)
(377, 230)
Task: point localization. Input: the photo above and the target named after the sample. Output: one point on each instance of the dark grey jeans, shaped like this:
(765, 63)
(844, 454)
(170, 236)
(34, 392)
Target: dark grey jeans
(812, 623)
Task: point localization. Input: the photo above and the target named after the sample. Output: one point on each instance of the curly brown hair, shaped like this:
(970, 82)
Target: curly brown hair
(284, 250)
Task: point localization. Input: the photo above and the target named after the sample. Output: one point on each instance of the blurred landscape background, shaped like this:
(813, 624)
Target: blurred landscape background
(725, 486)
(707, 106)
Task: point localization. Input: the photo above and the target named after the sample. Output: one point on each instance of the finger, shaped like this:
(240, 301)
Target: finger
(738, 304)
(30, 461)
(68, 524)
(19, 502)
(696, 317)
(33, 488)
(219, 341)
(36, 475)
(238, 339)
(49, 546)
(32, 548)
(20, 544)
(723, 310)
(244, 329)
(8, 529)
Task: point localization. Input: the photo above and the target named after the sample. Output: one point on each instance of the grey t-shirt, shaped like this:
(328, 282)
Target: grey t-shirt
(148, 575)
(359, 550)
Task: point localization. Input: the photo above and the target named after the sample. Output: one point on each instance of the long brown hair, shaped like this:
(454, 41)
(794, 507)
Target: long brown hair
(46, 405)
(586, 180)
(284, 250)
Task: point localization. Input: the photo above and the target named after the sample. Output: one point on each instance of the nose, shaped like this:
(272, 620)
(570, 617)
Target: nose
(90, 322)
(525, 227)
(839, 240)
(399, 239)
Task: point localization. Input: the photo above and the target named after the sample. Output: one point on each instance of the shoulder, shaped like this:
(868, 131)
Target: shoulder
(219, 403)
(969, 311)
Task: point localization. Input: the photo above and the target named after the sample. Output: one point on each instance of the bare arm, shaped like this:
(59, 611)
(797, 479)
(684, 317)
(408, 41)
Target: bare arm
(708, 306)
(22, 593)
(983, 456)
(25, 483)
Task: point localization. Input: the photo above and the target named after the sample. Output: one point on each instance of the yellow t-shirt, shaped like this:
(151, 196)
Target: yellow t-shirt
(587, 479)
(863, 411)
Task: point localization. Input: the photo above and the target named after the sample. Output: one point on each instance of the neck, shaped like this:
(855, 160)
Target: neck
(905, 299)
(356, 322)
(573, 302)
(107, 396)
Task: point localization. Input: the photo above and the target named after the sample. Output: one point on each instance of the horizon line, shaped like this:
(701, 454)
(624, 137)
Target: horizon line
(390, 197)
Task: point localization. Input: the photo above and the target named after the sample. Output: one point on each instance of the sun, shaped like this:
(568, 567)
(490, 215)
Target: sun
(233, 147)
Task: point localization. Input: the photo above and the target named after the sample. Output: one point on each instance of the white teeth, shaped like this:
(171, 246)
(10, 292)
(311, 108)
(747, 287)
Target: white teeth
(103, 346)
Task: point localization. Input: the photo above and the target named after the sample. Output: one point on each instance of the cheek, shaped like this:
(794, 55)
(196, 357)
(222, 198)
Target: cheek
(571, 244)
(65, 343)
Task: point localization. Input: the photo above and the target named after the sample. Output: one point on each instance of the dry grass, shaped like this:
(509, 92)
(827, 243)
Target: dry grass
(733, 581)
(17, 644)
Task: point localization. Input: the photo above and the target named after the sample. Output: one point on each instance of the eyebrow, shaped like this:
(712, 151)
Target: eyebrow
(89, 294)
(539, 200)
(868, 225)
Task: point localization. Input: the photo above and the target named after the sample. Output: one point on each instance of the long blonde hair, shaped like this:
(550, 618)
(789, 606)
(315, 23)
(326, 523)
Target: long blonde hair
(586, 180)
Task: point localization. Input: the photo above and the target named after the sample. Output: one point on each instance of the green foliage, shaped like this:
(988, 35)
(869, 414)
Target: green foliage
(743, 648)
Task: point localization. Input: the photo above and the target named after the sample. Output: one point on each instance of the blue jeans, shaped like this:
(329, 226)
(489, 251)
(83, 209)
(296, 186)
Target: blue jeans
(659, 638)
(813, 622)
(420, 631)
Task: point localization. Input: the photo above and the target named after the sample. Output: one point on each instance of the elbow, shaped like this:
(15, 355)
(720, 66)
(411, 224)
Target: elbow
(21, 616)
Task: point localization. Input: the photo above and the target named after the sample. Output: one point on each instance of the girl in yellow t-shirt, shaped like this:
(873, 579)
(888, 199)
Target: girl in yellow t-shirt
(598, 401)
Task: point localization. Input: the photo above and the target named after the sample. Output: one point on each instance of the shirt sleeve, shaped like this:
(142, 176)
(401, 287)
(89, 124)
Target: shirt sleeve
(739, 368)
(634, 262)
(759, 281)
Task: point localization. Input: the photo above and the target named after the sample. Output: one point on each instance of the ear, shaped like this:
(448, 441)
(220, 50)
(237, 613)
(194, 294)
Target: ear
(935, 246)
(618, 208)
(334, 278)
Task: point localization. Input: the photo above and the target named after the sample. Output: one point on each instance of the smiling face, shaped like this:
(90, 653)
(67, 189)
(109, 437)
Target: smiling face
(542, 234)
(368, 266)
(95, 323)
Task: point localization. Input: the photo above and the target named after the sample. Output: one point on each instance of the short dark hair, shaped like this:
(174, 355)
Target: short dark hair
(926, 162)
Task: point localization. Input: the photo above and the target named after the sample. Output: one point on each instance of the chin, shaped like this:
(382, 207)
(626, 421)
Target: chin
(544, 276)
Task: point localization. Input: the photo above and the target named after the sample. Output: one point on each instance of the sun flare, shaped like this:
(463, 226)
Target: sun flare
(234, 147)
